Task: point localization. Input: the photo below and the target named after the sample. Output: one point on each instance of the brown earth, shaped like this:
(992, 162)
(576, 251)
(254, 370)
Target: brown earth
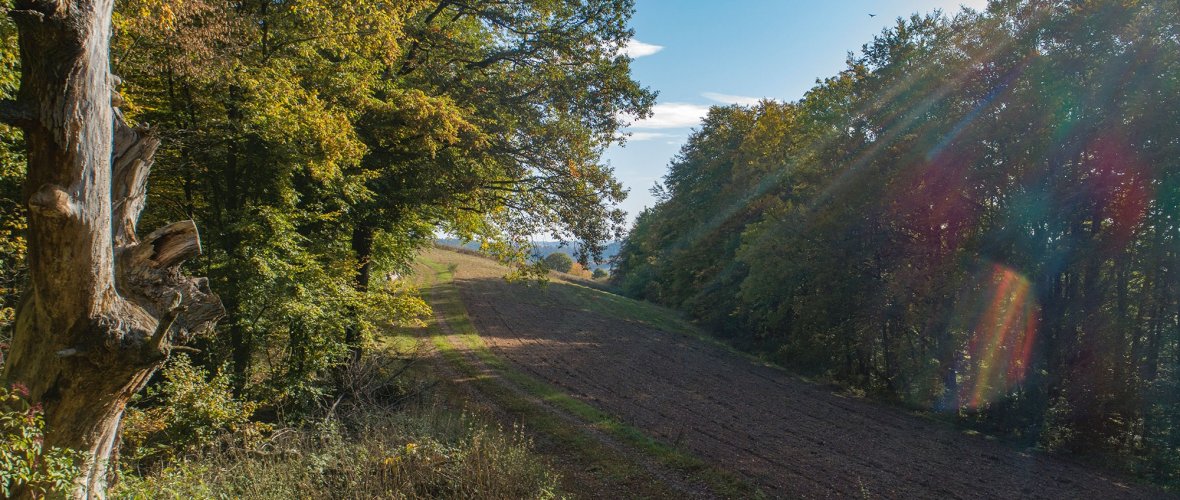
(792, 438)
(631, 476)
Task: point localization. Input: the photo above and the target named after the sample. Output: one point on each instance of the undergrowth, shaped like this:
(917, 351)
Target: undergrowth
(27, 466)
(378, 438)
(428, 453)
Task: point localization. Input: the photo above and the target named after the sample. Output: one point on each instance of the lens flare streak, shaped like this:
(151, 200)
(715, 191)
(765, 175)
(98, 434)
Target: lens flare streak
(1001, 340)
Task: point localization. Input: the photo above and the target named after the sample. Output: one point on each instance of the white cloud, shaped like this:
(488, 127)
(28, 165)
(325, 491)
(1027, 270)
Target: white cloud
(636, 49)
(673, 115)
(648, 136)
(732, 99)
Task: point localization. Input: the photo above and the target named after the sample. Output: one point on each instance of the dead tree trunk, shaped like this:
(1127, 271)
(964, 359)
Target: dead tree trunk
(104, 308)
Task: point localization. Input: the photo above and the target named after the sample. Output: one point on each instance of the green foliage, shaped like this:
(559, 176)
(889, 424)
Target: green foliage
(408, 455)
(600, 274)
(188, 409)
(318, 146)
(977, 216)
(1161, 434)
(26, 465)
(559, 261)
(12, 174)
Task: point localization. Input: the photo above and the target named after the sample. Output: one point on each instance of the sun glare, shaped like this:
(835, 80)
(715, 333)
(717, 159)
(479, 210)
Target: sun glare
(1001, 339)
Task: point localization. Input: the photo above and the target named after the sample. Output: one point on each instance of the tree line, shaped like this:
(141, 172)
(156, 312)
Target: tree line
(316, 145)
(980, 216)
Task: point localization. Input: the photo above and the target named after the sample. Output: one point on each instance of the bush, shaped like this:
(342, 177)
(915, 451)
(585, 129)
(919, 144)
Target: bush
(559, 261)
(25, 463)
(373, 440)
(387, 455)
(600, 274)
(378, 381)
(190, 409)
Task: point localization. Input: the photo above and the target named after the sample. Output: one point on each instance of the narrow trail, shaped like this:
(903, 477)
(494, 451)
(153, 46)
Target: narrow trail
(791, 438)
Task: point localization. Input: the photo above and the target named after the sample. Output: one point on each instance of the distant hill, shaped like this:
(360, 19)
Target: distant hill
(542, 249)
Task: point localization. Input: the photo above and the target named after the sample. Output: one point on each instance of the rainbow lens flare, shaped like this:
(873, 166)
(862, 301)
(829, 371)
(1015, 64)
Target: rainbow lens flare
(997, 355)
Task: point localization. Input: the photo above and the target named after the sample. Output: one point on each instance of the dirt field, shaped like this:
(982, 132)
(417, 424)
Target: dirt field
(793, 439)
(587, 459)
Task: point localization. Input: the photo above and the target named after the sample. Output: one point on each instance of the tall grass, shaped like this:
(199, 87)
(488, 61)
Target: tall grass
(379, 438)
(429, 453)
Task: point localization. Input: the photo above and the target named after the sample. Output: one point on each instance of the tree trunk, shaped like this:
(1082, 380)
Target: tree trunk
(362, 248)
(104, 308)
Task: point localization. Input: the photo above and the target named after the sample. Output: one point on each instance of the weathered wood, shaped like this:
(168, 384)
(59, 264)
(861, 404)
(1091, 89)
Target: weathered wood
(134, 151)
(149, 274)
(174, 244)
(104, 308)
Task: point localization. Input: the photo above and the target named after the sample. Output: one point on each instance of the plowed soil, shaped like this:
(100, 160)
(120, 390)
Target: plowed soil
(792, 438)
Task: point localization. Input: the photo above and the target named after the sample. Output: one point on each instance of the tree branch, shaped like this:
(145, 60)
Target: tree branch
(160, 336)
(173, 244)
(149, 274)
(131, 163)
(410, 63)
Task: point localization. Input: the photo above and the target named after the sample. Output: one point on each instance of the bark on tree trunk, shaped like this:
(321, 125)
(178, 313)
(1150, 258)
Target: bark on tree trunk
(104, 308)
(362, 248)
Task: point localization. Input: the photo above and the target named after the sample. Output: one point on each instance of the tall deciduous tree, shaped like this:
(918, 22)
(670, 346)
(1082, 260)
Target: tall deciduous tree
(978, 215)
(104, 308)
(316, 144)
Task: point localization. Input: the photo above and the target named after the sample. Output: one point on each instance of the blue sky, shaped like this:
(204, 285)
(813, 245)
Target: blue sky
(698, 53)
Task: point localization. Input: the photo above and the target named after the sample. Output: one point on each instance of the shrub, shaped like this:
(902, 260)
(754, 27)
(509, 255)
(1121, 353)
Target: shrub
(600, 274)
(577, 270)
(191, 408)
(376, 440)
(25, 463)
(378, 381)
(386, 455)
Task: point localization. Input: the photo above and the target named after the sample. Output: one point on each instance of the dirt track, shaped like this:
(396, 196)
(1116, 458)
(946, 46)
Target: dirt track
(793, 439)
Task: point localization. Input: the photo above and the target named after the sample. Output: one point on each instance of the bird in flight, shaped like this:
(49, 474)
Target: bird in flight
(872, 15)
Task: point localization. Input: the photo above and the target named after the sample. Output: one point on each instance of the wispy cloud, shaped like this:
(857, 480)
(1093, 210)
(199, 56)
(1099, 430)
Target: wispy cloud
(673, 115)
(648, 136)
(732, 99)
(636, 49)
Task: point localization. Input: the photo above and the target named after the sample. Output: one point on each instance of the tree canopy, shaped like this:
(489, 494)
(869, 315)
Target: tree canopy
(559, 261)
(978, 216)
(318, 145)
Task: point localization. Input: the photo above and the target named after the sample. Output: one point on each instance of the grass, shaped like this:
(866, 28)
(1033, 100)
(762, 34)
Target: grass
(447, 303)
(424, 454)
